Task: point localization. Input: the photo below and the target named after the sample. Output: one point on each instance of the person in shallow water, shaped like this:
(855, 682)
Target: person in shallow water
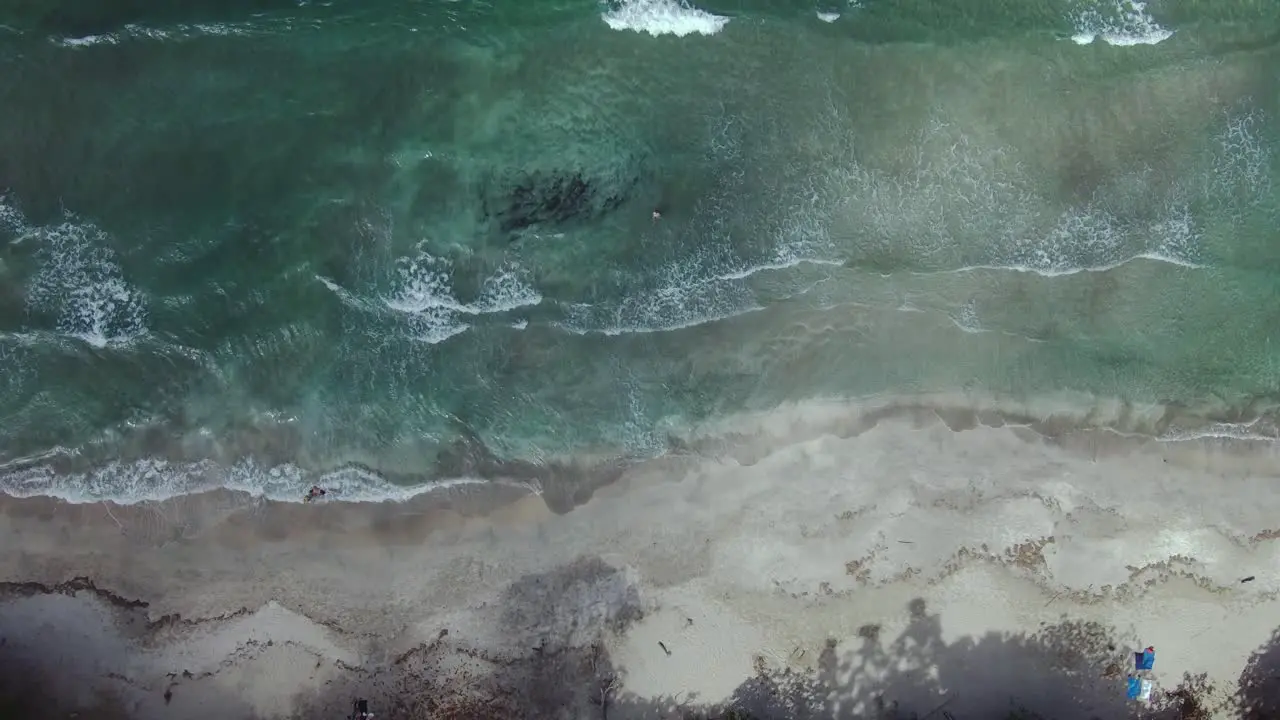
(315, 493)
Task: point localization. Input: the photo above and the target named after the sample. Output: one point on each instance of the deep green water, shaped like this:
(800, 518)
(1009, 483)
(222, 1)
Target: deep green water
(255, 235)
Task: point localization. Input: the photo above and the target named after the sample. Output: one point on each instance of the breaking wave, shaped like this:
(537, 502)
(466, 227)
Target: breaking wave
(80, 282)
(662, 17)
(424, 296)
(1118, 22)
(154, 480)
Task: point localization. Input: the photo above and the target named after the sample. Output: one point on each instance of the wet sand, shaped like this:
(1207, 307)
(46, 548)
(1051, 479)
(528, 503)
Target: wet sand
(842, 561)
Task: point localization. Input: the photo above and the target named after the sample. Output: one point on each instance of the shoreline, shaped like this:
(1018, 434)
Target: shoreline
(467, 465)
(765, 556)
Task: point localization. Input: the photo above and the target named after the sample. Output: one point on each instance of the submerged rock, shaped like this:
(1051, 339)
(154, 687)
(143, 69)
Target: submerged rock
(554, 198)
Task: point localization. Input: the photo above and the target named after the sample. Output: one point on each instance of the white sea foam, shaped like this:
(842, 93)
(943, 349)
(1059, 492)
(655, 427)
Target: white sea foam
(504, 291)
(690, 293)
(683, 300)
(715, 284)
(425, 285)
(783, 261)
(1242, 164)
(662, 17)
(81, 283)
(423, 294)
(828, 17)
(155, 480)
(349, 298)
(966, 319)
(169, 34)
(11, 220)
(961, 207)
(577, 325)
(1253, 430)
(1065, 271)
(87, 40)
(1119, 22)
(1089, 238)
(426, 297)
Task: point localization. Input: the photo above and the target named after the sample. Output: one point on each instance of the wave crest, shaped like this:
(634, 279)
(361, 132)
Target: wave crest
(1122, 22)
(663, 17)
(423, 294)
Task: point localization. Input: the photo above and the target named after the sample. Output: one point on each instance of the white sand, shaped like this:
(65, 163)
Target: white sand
(808, 526)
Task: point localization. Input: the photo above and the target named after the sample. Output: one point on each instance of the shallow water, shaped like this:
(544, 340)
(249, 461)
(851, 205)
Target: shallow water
(246, 243)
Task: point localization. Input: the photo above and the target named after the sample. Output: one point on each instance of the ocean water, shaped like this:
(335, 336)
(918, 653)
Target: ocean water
(381, 244)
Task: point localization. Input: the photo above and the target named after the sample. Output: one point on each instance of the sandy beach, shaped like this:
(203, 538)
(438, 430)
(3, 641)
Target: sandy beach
(818, 561)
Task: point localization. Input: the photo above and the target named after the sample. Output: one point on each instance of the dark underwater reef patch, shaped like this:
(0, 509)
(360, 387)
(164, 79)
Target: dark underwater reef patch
(519, 200)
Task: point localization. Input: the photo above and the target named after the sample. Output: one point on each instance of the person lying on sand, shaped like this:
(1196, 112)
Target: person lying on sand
(315, 493)
(360, 710)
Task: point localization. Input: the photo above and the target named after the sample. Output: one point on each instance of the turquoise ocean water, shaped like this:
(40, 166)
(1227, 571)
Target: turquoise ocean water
(262, 243)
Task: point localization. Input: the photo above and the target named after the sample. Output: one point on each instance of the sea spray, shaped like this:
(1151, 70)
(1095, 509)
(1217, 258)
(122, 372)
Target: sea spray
(662, 17)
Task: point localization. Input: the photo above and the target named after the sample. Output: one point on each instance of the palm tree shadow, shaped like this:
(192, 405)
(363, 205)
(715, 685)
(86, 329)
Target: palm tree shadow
(1064, 671)
(557, 666)
(1258, 694)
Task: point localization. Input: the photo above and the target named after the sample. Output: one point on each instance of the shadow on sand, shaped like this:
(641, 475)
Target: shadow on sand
(1065, 671)
(556, 627)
